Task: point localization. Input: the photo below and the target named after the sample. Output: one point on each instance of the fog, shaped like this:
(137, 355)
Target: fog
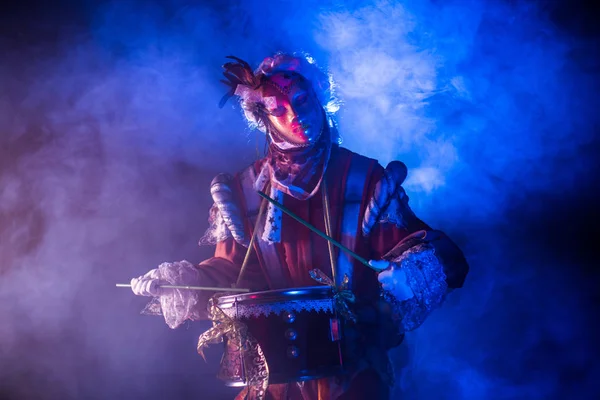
(110, 135)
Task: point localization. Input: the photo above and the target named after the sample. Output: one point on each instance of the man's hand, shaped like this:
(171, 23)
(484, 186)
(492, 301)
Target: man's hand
(393, 279)
(147, 285)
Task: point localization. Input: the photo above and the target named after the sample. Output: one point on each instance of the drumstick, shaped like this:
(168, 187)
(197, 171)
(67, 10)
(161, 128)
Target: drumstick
(318, 232)
(212, 289)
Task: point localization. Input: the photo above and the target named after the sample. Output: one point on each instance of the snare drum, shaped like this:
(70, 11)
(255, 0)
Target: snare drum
(297, 329)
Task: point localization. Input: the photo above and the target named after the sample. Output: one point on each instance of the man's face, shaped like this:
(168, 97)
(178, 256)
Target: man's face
(298, 115)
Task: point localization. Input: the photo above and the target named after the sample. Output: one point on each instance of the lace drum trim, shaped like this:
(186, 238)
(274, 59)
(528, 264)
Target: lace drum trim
(257, 310)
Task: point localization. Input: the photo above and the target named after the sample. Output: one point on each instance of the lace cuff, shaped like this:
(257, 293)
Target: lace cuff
(179, 305)
(426, 278)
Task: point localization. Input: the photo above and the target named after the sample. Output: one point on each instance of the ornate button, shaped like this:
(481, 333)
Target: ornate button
(291, 334)
(292, 352)
(289, 317)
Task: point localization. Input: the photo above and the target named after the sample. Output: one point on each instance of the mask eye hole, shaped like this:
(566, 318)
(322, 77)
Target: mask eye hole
(277, 111)
(301, 99)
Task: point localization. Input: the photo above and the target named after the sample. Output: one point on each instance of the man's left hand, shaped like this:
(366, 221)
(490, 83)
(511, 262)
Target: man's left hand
(393, 279)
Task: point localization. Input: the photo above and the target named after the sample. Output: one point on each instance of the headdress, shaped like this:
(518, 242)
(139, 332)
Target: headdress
(247, 85)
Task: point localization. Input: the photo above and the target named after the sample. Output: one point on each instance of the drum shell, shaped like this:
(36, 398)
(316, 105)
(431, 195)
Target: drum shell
(298, 330)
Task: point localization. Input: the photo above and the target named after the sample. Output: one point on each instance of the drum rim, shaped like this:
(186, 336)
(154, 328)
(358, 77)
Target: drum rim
(278, 295)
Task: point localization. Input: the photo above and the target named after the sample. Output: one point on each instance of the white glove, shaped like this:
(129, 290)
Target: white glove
(147, 285)
(393, 279)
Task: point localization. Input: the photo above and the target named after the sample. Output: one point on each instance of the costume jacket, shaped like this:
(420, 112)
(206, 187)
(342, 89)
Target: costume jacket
(369, 213)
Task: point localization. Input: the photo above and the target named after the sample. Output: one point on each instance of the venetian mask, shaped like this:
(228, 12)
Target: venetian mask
(296, 115)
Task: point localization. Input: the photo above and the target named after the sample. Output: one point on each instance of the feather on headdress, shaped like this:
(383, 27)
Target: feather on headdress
(238, 73)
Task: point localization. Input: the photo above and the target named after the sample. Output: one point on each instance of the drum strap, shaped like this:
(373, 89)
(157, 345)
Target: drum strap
(328, 228)
(267, 253)
(356, 180)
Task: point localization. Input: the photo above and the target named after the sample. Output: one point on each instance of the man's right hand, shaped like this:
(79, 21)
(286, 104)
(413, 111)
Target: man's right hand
(147, 285)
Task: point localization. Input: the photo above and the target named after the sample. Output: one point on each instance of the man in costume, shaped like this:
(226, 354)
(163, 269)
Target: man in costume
(350, 197)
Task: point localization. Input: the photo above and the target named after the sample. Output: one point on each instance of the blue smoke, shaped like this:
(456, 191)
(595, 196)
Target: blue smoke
(112, 134)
